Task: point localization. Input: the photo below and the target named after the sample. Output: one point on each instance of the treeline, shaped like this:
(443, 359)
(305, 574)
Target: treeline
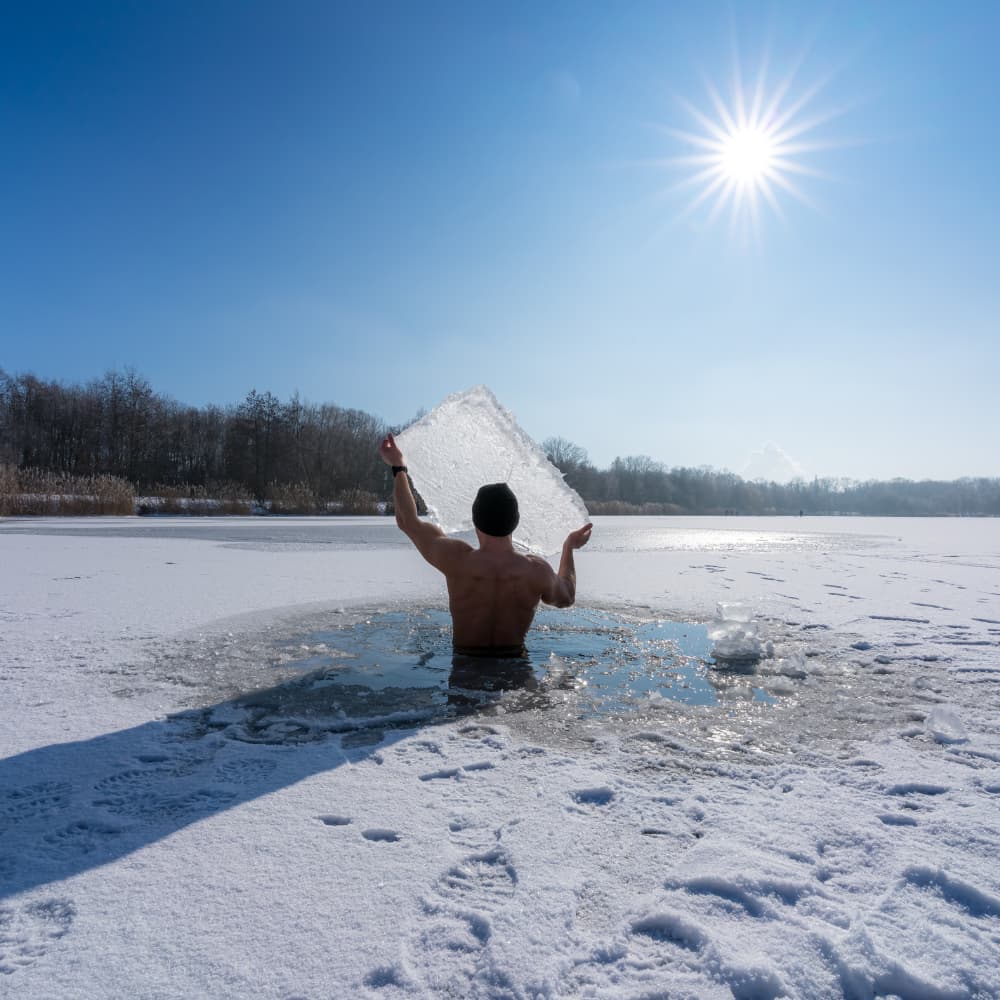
(639, 485)
(300, 457)
(297, 454)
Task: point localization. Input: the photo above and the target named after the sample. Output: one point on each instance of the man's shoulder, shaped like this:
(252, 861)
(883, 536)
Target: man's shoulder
(537, 562)
(445, 553)
(456, 546)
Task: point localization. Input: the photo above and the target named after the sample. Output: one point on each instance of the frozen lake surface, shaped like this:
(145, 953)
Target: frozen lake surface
(242, 741)
(618, 534)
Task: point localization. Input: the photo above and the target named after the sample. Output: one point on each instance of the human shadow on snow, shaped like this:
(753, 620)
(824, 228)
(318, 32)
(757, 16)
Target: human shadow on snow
(66, 808)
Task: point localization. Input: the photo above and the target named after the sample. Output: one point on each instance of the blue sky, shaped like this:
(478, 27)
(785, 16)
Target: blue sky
(380, 204)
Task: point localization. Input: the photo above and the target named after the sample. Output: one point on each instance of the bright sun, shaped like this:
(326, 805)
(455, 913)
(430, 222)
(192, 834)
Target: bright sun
(748, 149)
(746, 155)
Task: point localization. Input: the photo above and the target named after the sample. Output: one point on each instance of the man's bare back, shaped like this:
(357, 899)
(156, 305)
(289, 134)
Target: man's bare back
(493, 596)
(493, 590)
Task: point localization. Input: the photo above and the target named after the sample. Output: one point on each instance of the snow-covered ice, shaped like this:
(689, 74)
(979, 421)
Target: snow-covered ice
(174, 822)
(469, 440)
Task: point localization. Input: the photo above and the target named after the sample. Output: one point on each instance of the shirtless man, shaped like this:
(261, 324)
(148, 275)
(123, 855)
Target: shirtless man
(493, 591)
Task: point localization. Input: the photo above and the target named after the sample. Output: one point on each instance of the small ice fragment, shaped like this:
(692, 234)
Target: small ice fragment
(945, 726)
(792, 666)
(470, 440)
(726, 629)
(735, 611)
(736, 637)
(737, 647)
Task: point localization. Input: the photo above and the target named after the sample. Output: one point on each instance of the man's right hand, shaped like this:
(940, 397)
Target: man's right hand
(390, 452)
(577, 539)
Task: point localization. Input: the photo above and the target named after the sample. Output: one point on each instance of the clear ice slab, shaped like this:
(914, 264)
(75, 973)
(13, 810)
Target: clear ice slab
(469, 440)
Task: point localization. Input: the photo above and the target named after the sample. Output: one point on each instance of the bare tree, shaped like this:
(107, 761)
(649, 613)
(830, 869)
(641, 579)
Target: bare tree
(564, 454)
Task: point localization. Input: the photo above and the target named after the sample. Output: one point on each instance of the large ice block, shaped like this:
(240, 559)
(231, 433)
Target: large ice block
(470, 440)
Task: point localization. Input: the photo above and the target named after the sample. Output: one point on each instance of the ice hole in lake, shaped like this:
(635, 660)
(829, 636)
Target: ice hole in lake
(592, 663)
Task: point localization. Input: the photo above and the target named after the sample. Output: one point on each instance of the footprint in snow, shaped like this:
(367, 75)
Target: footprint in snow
(384, 977)
(42, 799)
(470, 834)
(665, 939)
(478, 731)
(917, 788)
(381, 835)
(131, 781)
(247, 771)
(27, 932)
(897, 819)
(962, 895)
(600, 795)
(481, 880)
(442, 773)
(454, 939)
(187, 763)
(334, 820)
(81, 837)
(760, 898)
(457, 772)
(670, 928)
(149, 805)
(486, 735)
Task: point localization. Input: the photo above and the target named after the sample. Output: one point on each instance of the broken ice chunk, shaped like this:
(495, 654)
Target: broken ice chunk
(793, 665)
(734, 632)
(470, 440)
(945, 726)
(734, 611)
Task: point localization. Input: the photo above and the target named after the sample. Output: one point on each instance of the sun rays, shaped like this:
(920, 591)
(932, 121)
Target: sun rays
(750, 150)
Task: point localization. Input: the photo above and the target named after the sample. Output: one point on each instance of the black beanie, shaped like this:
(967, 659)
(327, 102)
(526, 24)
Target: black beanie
(495, 510)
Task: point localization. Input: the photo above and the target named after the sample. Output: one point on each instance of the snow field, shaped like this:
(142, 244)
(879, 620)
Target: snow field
(810, 850)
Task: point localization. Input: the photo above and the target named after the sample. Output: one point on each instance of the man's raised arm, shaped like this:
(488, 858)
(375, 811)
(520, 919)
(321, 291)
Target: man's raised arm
(402, 496)
(561, 588)
(430, 540)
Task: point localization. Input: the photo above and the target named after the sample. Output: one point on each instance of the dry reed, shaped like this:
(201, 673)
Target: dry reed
(40, 492)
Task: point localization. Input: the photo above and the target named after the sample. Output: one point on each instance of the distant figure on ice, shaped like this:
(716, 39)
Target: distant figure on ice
(493, 591)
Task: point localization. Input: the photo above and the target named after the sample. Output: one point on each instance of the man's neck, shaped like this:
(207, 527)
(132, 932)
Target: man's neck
(493, 543)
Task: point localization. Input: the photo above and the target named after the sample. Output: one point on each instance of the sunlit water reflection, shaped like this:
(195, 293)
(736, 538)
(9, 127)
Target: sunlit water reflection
(399, 666)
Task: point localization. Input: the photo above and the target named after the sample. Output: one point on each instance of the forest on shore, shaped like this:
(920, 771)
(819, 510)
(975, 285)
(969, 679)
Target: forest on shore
(114, 445)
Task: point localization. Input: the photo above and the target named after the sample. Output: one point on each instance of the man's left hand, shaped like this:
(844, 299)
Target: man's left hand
(577, 539)
(390, 452)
